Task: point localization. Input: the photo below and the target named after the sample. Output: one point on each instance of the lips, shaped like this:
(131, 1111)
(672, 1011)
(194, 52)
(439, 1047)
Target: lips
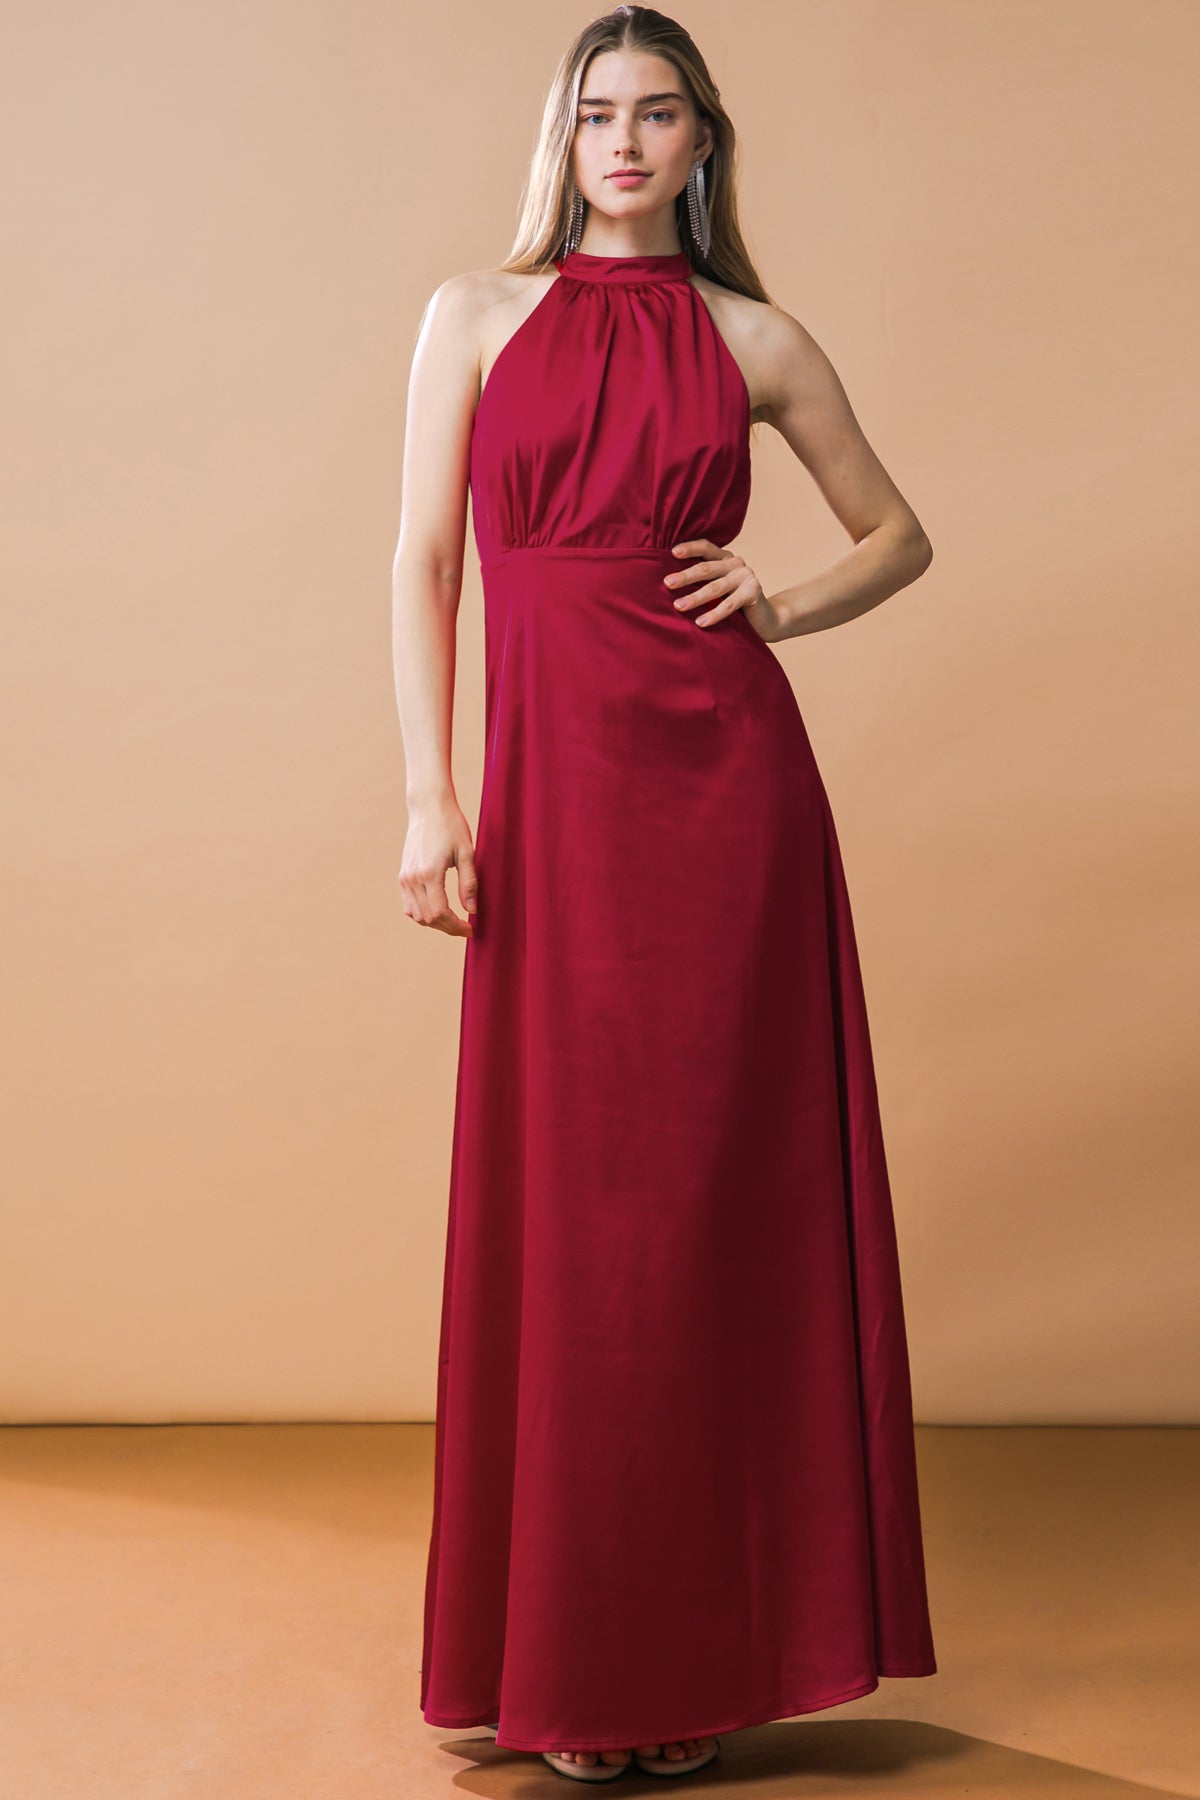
(628, 176)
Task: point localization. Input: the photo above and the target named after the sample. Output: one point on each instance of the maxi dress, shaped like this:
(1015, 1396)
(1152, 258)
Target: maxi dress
(675, 1487)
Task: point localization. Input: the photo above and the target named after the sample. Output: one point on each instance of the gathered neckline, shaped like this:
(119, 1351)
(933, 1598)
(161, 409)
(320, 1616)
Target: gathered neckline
(581, 266)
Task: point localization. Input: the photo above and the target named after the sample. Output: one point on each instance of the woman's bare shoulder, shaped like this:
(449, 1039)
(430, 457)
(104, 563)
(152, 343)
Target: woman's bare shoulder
(488, 305)
(472, 292)
(764, 337)
(480, 307)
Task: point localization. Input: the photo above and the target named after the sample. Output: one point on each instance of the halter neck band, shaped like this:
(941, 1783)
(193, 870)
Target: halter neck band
(581, 266)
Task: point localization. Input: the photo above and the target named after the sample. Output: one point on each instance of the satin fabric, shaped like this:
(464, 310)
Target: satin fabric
(675, 1487)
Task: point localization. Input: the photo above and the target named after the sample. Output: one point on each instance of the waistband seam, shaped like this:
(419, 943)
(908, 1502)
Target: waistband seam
(654, 550)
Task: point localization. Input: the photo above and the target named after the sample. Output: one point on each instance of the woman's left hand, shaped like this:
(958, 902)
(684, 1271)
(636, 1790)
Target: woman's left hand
(727, 578)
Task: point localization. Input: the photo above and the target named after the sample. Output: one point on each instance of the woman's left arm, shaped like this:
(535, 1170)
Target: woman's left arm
(802, 397)
(807, 404)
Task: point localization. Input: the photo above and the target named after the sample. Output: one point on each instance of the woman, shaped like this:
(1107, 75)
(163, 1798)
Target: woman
(675, 1486)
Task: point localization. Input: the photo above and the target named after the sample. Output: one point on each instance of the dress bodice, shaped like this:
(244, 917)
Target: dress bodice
(614, 417)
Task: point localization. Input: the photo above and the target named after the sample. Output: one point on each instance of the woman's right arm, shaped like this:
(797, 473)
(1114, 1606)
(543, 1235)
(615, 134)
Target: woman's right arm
(426, 589)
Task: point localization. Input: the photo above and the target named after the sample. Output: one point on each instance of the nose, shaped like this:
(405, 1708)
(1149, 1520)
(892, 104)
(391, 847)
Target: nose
(628, 145)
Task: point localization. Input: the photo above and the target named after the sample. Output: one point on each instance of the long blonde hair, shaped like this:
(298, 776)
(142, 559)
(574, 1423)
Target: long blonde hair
(545, 204)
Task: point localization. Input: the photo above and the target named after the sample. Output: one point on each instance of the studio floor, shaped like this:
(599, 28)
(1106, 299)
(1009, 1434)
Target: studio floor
(212, 1612)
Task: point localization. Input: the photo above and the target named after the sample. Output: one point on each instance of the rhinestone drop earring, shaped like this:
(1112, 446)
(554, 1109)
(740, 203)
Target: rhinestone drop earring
(575, 224)
(697, 207)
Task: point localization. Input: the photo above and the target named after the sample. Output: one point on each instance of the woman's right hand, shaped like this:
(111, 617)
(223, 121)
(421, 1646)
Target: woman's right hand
(438, 838)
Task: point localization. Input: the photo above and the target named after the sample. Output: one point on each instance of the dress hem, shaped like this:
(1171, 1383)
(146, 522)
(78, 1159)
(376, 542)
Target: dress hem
(786, 1710)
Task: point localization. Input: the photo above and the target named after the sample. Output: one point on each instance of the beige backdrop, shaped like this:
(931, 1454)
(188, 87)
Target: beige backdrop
(229, 1062)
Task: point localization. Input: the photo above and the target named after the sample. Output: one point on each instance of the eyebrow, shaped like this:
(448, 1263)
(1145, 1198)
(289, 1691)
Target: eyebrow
(642, 99)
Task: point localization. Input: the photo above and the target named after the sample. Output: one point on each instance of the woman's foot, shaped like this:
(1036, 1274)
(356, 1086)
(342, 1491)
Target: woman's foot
(680, 1752)
(588, 1758)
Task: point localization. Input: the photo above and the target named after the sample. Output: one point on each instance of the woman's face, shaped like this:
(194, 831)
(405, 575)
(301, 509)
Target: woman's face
(635, 114)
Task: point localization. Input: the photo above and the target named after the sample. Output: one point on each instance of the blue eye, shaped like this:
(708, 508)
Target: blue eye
(658, 113)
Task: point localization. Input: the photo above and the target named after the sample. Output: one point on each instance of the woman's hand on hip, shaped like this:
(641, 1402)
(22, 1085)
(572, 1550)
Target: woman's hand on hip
(728, 579)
